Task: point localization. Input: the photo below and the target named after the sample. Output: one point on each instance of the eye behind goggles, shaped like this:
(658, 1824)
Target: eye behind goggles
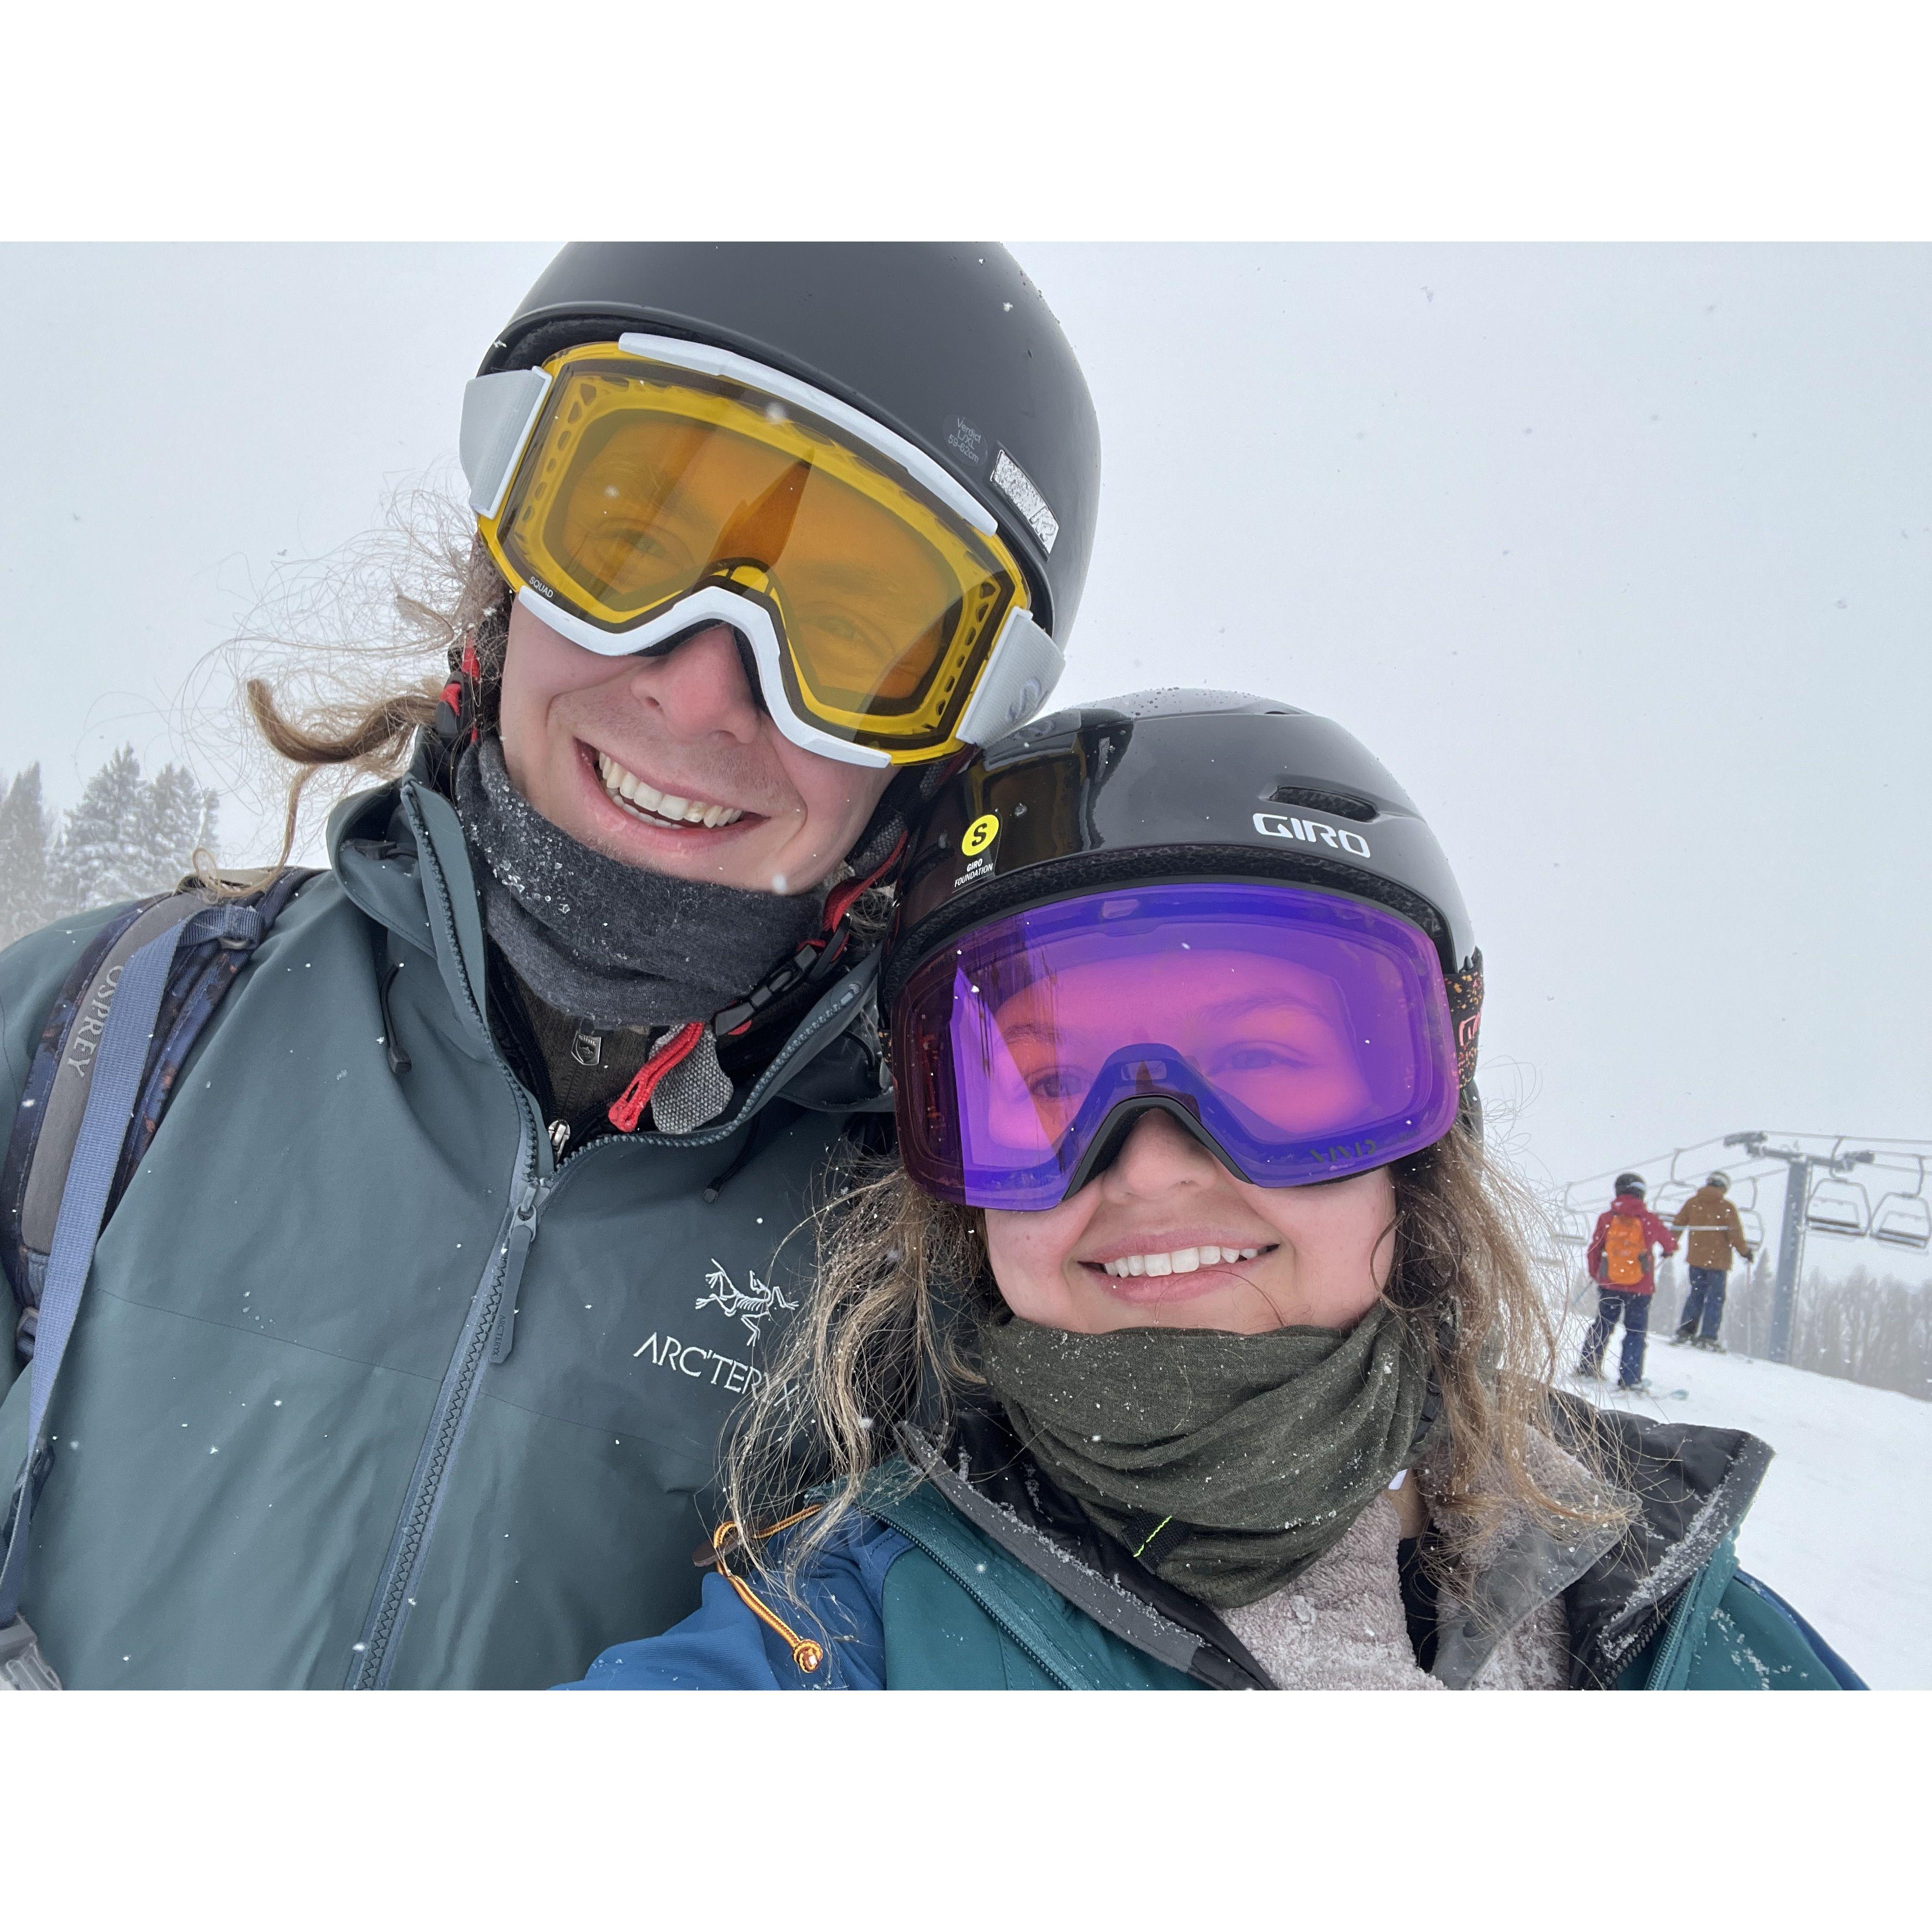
(633, 491)
(1300, 1035)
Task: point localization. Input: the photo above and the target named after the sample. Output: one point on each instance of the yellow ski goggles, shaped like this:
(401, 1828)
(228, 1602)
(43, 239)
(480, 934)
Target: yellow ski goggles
(636, 491)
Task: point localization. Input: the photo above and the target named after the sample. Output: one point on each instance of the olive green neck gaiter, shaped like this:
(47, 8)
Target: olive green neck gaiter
(1228, 1463)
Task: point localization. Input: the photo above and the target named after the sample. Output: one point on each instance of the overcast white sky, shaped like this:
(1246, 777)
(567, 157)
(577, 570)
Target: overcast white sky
(1620, 557)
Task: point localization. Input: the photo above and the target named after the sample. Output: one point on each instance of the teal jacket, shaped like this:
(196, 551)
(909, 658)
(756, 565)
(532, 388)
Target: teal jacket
(967, 1581)
(366, 1388)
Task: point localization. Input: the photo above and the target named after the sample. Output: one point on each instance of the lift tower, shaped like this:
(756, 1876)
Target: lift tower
(1798, 1167)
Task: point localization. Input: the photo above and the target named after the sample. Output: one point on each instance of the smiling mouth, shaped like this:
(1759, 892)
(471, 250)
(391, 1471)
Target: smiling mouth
(645, 802)
(1175, 1260)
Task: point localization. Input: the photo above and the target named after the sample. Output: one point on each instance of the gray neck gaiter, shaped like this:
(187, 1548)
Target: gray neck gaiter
(609, 942)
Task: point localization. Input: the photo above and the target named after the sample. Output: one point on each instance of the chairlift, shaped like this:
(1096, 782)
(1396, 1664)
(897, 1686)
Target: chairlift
(1752, 1222)
(1573, 1227)
(1838, 1207)
(1905, 1220)
(1671, 1196)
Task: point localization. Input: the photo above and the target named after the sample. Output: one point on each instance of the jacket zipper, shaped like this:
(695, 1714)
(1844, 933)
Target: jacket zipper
(369, 1667)
(490, 1331)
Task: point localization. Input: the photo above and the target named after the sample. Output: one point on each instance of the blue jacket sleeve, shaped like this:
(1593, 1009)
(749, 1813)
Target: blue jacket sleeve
(722, 1646)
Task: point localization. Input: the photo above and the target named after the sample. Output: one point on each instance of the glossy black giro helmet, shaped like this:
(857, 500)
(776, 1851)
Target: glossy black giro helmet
(1135, 872)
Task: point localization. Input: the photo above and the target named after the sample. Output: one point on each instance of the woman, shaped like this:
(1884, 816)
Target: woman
(1196, 1344)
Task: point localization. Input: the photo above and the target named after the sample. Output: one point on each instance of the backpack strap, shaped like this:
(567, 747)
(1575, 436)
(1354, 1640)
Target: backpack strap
(47, 1122)
(114, 1057)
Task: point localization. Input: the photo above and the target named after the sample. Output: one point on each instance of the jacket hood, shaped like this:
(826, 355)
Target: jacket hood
(1692, 1485)
(1629, 1204)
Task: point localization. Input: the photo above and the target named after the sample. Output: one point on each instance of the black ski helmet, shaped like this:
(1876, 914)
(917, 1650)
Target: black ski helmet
(946, 342)
(1629, 1183)
(1178, 784)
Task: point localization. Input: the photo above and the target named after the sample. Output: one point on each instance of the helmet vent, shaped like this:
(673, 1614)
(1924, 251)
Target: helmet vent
(1337, 804)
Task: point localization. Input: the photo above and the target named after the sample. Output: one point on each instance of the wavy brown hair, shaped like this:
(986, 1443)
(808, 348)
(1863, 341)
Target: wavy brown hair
(345, 660)
(903, 1283)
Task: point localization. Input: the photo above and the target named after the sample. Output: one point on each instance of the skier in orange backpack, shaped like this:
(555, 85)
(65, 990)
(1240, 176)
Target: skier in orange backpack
(1625, 1272)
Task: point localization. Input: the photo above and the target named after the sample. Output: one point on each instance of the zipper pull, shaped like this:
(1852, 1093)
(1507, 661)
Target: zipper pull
(586, 1047)
(517, 1245)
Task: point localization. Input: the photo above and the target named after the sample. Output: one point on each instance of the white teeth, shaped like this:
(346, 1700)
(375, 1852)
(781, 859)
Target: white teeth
(628, 786)
(1179, 1260)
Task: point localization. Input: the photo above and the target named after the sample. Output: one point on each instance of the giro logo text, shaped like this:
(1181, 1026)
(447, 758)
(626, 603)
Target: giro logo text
(1311, 831)
(751, 1307)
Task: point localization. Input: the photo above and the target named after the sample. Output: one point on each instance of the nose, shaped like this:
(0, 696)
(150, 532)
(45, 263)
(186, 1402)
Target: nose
(1158, 1154)
(700, 689)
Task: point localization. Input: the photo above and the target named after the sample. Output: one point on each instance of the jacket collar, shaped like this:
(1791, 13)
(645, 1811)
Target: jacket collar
(986, 1475)
(401, 856)
(1690, 1486)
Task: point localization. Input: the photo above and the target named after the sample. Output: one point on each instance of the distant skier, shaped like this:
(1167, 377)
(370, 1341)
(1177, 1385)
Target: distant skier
(1625, 1272)
(1716, 1232)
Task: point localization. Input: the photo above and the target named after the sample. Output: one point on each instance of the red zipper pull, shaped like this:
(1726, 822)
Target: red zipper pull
(628, 1109)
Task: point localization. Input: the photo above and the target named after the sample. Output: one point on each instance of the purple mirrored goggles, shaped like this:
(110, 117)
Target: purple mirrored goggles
(1301, 1035)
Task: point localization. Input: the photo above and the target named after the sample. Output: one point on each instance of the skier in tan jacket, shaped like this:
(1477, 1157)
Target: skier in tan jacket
(1716, 1233)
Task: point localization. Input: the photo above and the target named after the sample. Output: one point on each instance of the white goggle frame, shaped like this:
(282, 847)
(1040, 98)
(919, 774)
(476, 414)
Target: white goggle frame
(498, 412)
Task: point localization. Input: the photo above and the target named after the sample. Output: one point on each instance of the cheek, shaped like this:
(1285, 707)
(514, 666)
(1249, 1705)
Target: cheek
(539, 668)
(1028, 1254)
(1338, 1235)
(838, 798)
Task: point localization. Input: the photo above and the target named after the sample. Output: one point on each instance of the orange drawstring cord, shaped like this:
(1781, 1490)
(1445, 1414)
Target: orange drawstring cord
(805, 1653)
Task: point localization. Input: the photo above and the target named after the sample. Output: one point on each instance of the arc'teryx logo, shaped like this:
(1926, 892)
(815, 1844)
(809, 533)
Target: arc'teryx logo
(751, 1306)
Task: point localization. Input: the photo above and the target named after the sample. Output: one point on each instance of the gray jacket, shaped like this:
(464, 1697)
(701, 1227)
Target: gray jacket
(367, 1389)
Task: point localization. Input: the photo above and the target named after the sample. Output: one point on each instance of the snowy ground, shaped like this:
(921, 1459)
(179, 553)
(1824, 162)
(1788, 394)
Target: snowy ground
(1843, 1527)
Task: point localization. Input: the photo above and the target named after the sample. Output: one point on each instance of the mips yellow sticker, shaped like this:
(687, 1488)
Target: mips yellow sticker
(980, 834)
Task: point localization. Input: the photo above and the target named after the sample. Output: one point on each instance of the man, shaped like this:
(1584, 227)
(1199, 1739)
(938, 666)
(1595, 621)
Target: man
(403, 1358)
(1625, 1271)
(1716, 1233)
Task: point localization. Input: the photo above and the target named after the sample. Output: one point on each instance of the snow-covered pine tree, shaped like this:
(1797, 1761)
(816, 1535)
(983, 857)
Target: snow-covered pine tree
(181, 820)
(102, 857)
(127, 839)
(27, 834)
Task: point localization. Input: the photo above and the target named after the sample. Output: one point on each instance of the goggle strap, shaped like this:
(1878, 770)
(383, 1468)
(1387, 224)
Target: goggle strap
(459, 708)
(1466, 1016)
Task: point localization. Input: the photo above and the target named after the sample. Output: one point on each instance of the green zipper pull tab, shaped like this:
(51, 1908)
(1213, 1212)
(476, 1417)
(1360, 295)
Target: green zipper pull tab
(517, 1246)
